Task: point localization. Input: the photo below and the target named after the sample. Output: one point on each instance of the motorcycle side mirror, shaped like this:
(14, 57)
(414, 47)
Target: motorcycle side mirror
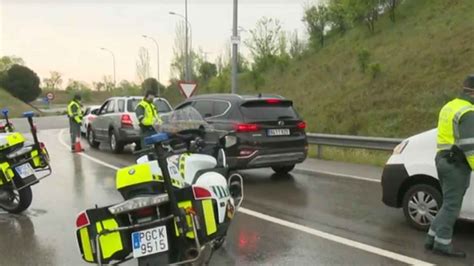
(230, 141)
(5, 112)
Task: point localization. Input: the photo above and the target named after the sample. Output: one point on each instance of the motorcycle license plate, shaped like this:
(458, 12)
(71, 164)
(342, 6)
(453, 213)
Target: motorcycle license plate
(150, 241)
(25, 170)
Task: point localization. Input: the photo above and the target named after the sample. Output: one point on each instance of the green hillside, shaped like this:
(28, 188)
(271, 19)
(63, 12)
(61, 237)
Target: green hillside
(15, 106)
(423, 58)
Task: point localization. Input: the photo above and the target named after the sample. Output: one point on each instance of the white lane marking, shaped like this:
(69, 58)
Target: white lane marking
(339, 175)
(298, 227)
(61, 140)
(337, 239)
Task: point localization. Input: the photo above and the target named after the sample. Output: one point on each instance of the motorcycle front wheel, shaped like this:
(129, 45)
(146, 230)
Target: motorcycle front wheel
(18, 200)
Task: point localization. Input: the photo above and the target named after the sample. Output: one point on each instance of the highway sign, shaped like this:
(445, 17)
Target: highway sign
(50, 96)
(187, 88)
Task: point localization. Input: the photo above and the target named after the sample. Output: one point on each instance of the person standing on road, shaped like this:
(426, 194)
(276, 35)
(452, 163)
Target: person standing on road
(75, 114)
(147, 116)
(454, 163)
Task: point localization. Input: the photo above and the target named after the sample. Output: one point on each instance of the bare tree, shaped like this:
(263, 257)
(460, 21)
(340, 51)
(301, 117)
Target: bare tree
(178, 63)
(108, 83)
(98, 86)
(54, 81)
(143, 64)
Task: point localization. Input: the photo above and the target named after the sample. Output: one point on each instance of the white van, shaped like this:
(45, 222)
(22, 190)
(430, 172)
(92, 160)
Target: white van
(410, 181)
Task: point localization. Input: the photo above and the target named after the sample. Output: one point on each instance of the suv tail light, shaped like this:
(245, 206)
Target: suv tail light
(301, 125)
(246, 127)
(126, 121)
(82, 220)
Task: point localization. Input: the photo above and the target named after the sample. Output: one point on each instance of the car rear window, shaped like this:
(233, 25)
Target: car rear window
(268, 111)
(161, 106)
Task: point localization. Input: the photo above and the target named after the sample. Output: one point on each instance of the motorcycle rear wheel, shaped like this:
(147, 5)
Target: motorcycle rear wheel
(19, 200)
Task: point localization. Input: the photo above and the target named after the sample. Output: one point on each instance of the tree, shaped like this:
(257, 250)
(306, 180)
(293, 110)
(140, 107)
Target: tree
(392, 6)
(22, 82)
(98, 86)
(153, 85)
(317, 21)
(264, 43)
(108, 83)
(207, 71)
(366, 11)
(143, 64)
(296, 45)
(338, 16)
(6, 62)
(54, 81)
(178, 63)
(76, 85)
(126, 87)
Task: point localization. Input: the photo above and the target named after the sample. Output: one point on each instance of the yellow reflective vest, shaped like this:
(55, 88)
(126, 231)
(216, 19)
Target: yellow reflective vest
(150, 115)
(449, 134)
(74, 111)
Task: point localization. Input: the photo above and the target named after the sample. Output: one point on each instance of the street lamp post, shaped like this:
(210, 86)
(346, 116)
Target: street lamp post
(113, 58)
(188, 42)
(235, 48)
(157, 60)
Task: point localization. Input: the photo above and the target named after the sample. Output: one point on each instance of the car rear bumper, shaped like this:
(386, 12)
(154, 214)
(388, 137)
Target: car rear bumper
(393, 177)
(268, 158)
(129, 135)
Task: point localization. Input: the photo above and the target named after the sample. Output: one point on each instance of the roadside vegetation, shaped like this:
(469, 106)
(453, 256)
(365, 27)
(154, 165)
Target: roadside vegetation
(364, 67)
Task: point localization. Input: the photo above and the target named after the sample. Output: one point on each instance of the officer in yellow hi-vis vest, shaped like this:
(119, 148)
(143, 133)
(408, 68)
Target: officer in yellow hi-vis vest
(147, 116)
(74, 112)
(454, 162)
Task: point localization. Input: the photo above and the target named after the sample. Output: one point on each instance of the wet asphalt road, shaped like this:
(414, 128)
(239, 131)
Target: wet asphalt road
(351, 209)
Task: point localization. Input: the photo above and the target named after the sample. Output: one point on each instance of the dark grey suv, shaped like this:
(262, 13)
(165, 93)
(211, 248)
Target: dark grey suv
(117, 124)
(270, 132)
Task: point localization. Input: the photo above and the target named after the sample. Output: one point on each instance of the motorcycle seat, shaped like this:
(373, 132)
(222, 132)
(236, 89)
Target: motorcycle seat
(156, 138)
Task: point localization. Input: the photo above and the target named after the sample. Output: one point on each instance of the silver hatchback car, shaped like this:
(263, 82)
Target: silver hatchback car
(117, 124)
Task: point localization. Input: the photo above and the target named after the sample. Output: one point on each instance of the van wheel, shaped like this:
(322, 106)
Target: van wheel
(421, 203)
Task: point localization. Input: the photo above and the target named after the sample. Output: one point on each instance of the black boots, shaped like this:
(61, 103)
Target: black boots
(448, 250)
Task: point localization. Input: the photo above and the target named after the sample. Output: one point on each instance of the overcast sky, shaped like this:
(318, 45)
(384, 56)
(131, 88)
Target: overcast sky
(65, 35)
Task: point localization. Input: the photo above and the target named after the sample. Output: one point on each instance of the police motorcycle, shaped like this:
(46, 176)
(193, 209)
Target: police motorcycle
(22, 165)
(179, 199)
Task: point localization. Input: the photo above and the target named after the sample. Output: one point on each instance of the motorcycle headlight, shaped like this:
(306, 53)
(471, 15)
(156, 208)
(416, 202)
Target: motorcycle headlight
(400, 147)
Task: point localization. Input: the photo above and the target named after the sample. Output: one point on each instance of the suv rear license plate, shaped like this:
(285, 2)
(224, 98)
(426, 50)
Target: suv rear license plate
(25, 170)
(150, 241)
(278, 132)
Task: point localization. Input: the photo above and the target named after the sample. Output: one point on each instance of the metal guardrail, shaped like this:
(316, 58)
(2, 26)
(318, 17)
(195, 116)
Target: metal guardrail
(357, 142)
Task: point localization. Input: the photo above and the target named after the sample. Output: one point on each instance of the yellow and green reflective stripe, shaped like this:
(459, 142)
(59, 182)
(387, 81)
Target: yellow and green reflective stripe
(109, 243)
(86, 245)
(470, 158)
(185, 205)
(209, 217)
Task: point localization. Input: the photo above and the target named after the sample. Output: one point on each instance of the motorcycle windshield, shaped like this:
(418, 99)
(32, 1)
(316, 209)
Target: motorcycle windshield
(187, 118)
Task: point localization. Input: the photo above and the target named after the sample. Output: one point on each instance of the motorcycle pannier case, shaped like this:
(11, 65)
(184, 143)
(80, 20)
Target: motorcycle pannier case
(114, 246)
